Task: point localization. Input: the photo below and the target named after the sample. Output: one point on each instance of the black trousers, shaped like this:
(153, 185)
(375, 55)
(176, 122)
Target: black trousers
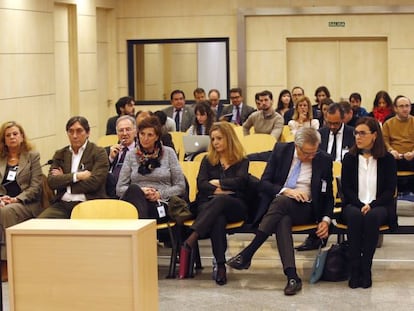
(283, 213)
(146, 209)
(363, 233)
(212, 219)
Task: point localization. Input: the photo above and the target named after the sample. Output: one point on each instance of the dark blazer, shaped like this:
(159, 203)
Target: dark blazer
(244, 114)
(235, 179)
(219, 110)
(111, 125)
(29, 179)
(386, 184)
(94, 159)
(187, 116)
(276, 173)
(348, 139)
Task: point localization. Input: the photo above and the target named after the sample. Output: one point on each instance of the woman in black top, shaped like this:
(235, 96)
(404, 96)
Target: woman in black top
(222, 184)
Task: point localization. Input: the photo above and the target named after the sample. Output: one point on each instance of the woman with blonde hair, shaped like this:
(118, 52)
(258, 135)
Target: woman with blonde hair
(303, 115)
(20, 177)
(221, 198)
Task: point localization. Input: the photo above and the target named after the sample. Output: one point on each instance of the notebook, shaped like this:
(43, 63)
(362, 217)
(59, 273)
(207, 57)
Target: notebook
(195, 143)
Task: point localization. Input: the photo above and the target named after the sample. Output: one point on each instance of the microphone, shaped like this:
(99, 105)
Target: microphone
(50, 162)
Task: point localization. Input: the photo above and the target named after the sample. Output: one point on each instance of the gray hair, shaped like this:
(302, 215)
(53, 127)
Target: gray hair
(127, 117)
(307, 135)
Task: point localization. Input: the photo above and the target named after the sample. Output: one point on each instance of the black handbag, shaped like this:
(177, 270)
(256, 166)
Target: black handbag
(336, 267)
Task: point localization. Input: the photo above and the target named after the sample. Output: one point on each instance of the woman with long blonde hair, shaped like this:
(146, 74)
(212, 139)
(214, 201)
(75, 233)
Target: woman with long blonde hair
(221, 198)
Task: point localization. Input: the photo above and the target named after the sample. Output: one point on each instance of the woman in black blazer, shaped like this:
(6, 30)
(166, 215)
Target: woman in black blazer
(369, 180)
(221, 198)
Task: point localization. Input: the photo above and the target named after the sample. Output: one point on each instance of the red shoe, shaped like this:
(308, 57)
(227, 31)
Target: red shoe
(185, 253)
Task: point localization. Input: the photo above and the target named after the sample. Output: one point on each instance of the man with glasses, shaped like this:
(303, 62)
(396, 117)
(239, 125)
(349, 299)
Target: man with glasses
(336, 139)
(78, 172)
(398, 133)
(215, 104)
(297, 182)
(237, 112)
(126, 130)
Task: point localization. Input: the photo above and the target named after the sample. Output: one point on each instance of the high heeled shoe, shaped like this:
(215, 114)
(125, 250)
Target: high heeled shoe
(239, 262)
(185, 253)
(221, 277)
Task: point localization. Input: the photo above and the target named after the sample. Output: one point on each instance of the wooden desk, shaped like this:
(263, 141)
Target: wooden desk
(62, 264)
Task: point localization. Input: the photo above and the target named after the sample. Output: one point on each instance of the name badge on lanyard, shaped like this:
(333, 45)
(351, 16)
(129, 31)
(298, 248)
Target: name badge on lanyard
(11, 176)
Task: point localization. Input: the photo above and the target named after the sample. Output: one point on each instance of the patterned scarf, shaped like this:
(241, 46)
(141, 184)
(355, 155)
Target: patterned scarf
(148, 161)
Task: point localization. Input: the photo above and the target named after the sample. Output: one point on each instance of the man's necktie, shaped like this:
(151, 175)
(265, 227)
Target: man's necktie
(333, 150)
(177, 120)
(238, 118)
(293, 177)
(118, 165)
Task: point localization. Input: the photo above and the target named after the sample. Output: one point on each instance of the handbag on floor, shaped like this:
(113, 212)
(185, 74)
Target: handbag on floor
(336, 267)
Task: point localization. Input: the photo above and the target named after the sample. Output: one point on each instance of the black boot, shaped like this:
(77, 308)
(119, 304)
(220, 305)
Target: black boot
(355, 279)
(366, 278)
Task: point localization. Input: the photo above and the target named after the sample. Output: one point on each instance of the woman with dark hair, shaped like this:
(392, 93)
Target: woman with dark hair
(369, 180)
(20, 178)
(151, 172)
(382, 109)
(204, 118)
(221, 198)
(284, 103)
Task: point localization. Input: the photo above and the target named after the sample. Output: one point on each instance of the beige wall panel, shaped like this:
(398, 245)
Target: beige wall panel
(29, 5)
(362, 69)
(176, 27)
(406, 90)
(89, 109)
(266, 32)
(60, 19)
(87, 34)
(86, 7)
(265, 68)
(233, 69)
(87, 71)
(312, 63)
(402, 65)
(401, 29)
(172, 8)
(27, 75)
(122, 70)
(25, 38)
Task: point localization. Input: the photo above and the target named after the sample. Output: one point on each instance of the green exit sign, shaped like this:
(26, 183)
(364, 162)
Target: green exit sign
(336, 24)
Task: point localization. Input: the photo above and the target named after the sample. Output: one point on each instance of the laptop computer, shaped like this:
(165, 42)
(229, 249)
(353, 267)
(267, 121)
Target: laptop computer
(195, 143)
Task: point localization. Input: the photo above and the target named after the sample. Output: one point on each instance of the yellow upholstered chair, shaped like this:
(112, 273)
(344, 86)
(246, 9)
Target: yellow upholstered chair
(107, 140)
(258, 143)
(287, 135)
(104, 209)
(190, 171)
(177, 138)
(256, 168)
(199, 157)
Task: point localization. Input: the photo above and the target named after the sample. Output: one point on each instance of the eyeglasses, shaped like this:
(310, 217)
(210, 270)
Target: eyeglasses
(308, 154)
(79, 131)
(361, 133)
(235, 97)
(128, 130)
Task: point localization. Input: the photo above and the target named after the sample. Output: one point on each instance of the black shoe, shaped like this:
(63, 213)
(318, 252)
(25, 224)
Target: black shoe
(354, 282)
(221, 278)
(366, 281)
(238, 262)
(293, 287)
(311, 243)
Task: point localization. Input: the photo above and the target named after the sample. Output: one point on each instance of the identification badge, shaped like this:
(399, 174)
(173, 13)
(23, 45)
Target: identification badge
(11, 176)
(323, 188)
(161, 210)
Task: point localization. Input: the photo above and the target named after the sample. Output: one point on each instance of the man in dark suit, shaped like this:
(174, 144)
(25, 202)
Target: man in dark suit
(336, 139)
(298, 179)
(182, 115)
(126, 129)
(124, 106)
(78, 172)
(238, 110)
(215, 104)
